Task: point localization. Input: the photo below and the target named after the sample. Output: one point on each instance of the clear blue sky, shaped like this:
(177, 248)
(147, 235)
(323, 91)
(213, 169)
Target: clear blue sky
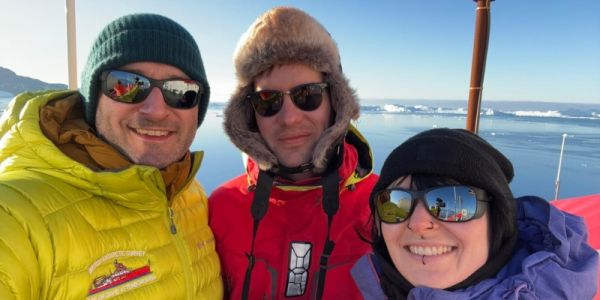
(539, 50)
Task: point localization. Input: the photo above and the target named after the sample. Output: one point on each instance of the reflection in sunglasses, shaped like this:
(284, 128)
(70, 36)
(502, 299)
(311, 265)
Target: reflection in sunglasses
(447, 203)
(129, 87)
(307, 97)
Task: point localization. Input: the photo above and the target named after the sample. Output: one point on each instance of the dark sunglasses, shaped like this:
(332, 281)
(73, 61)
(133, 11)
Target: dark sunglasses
(457, 203)
(129, 87)
(307, 97)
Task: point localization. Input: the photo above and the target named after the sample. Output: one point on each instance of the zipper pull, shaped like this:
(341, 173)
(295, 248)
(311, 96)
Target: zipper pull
(172, 221)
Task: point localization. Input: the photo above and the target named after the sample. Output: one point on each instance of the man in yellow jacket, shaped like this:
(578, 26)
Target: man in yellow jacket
(97, 192)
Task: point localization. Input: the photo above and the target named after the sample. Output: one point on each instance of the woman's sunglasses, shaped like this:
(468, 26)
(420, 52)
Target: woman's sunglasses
(307, 97)
(457, 203)
(129, 87)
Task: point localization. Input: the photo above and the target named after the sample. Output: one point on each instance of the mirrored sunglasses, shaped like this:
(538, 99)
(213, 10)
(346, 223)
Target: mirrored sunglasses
(457, 203)
(129, 87)
(307, 97)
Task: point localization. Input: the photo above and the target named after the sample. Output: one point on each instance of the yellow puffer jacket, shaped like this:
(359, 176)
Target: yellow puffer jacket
(67, 232)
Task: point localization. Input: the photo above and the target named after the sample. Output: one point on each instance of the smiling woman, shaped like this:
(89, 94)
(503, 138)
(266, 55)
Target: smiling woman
(447, 225)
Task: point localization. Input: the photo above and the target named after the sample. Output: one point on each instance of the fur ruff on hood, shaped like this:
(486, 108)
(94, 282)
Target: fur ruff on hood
(280, 36)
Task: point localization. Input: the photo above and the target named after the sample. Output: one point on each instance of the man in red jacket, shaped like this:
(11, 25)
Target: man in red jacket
(296, 222)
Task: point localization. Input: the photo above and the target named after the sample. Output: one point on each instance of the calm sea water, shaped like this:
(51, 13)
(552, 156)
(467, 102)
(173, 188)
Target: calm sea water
(529, 134)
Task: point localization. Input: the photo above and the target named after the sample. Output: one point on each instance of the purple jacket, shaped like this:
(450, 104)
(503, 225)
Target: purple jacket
(551, 261)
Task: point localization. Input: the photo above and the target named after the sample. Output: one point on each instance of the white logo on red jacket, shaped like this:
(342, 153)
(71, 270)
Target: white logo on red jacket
(299, 262)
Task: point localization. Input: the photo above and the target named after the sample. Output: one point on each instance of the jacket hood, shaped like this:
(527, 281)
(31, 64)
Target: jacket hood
(287, 35)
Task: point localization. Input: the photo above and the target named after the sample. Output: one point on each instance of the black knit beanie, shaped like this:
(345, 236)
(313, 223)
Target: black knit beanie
(136, 38)
(465, 157)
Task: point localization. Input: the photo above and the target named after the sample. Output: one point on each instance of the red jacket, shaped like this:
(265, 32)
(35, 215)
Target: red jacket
(294, 223)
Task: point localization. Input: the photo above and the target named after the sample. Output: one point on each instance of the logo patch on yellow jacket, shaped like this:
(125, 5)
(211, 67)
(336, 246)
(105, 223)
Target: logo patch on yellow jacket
(118, 277)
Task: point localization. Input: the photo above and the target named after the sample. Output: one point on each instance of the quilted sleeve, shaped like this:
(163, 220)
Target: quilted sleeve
(19, 268)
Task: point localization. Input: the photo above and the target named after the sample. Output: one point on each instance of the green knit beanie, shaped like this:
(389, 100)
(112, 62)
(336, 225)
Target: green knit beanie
(141, 37)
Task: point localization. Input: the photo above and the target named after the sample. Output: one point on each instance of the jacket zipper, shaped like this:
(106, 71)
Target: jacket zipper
(184, 256)
(172, 221)
(180, 244)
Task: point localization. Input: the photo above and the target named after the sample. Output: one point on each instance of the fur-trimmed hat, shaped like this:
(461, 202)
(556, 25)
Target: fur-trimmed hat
(286, 35)
(462, 156)
(136, 38)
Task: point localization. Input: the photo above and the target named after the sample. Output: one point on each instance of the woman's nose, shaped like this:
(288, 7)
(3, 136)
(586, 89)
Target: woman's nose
(421, 220)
